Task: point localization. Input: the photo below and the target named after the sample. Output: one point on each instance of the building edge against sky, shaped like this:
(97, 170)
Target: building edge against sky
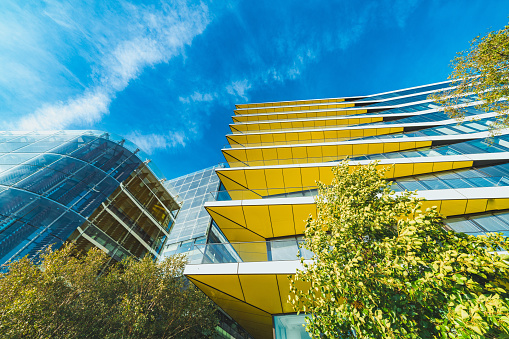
(278, 150)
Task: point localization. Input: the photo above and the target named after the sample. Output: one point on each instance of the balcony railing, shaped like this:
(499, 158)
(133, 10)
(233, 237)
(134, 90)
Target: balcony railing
(272, 193)
(275, 250)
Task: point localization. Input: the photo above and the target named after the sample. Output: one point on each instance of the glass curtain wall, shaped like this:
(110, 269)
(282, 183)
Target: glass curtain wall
(74, 186)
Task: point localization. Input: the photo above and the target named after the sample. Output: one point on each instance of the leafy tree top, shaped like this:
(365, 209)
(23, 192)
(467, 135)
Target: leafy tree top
(483, 70)
(384, 269)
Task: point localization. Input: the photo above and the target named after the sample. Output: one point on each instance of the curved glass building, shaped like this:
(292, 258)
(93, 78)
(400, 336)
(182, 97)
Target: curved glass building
(88, 187)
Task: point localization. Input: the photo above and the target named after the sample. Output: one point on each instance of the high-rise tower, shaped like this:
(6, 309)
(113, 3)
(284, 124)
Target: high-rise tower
(278, 150)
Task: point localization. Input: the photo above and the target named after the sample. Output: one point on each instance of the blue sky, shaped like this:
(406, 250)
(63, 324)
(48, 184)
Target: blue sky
(166, 74)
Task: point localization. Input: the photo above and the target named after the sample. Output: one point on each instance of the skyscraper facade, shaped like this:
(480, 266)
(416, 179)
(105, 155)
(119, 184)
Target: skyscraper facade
(279, 150)
(88, 187)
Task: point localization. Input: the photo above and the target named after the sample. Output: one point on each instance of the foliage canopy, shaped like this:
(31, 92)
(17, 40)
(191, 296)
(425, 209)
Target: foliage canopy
(384, 269)
(484, 71)
(64, 297)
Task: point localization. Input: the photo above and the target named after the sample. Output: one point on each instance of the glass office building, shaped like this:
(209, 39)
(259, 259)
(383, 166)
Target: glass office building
(194, 228)
(278, 150)
(91, 188)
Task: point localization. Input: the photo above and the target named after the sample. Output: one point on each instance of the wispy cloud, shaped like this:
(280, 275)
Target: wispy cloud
(198, 97)
(239, 88)
(137, 37)
(152, 142)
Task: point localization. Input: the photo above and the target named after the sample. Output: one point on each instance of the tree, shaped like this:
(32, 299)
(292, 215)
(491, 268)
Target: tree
(384, 269)
(483, 71)
(63, 296)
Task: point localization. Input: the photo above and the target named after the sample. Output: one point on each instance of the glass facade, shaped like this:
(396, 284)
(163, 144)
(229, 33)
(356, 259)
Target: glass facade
(477, 146)
(290, 326)
(88, 187)
(193, 222)
(489, 176)
(481, 224)
(394, 94)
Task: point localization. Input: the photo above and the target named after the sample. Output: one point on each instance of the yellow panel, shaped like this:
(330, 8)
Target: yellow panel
(299, 152)
(453, 207)
(284, 292)
(326, 175)
(262, 291)
(330, 135)
(279, 137)
(317, 135)
(292, 136)
(391, 147)
(254, 138)
(375, 148)
(274, 177)
(406, 145)
(305, 136)
(282, 220)
(360, 149)
(266, 138)
(419, 144)
(301, 214)
(329, 151)
(244, 194)
(227, 283)
(238, 154)
(258, 220)
(268, 155)
(257, 322)
(497, 204)
(240, 235)
(235, 175)
(292, 177)
(314, 153)
(298, 125)
(359, 133)
(284, 153)
(251, 251)
(371, 131)
(230, 216)
(462, 164)
(309, 176)
(236, 139)
(254, 154)
(234, 162)
(422, 168)
(256, 179)
(442, 166)
(476, 205)
(403, 170)
(230, 184)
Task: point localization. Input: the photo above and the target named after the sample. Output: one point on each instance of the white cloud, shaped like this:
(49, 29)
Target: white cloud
(151, 142)
(137, 37)
(86, 109)
(198, 97)
(239, 88)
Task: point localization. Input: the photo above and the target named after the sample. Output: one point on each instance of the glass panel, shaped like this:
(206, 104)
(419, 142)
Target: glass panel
(15, 158)
(491, 223)
(283, 250)
(462, 225)
(290, 326)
